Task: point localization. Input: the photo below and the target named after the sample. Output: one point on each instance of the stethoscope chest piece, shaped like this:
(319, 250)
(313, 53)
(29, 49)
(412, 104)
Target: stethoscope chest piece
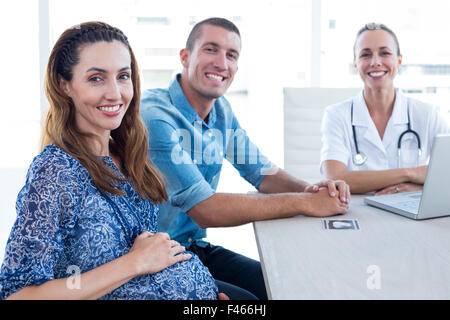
(359, 159)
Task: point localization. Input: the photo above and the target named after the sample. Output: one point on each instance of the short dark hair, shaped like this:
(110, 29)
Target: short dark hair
(218, 22)
(376, 26)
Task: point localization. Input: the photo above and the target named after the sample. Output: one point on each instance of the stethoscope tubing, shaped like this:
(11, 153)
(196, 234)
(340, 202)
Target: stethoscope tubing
(360, 158)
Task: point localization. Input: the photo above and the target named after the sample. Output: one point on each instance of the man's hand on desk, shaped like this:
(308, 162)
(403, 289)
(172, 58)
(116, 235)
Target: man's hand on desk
(321, 204)
(281, 196)
(335, 188)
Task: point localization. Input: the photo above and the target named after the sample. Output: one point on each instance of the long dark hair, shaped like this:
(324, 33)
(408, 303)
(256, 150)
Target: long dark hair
(129, 141)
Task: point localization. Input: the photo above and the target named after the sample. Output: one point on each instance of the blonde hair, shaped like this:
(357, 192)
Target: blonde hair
(376, 26)
(129, 141)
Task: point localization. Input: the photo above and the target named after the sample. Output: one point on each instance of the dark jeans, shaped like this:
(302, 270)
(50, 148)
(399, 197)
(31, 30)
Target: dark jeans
(239, 277)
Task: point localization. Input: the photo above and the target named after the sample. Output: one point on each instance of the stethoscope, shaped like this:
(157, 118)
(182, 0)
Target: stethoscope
(360, 158)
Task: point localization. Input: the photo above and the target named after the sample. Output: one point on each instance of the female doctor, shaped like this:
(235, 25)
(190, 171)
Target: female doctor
(379, 140)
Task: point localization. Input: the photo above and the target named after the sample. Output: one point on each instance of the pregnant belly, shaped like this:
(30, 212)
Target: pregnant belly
(187, 280)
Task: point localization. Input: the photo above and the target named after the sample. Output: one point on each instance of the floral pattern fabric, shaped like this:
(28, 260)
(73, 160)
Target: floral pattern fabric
(64, 223)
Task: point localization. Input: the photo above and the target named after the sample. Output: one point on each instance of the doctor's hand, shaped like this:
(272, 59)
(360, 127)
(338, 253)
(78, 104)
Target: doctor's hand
(417, 175)
(335, 187)
(402, 187)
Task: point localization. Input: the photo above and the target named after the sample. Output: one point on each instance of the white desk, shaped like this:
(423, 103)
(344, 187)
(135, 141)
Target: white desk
(390, 257)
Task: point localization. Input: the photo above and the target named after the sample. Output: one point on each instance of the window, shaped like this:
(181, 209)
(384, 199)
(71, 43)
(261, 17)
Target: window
(153, 20)
(20, 111)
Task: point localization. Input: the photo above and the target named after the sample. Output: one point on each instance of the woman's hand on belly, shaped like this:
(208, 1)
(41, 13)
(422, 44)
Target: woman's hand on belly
(152, 253)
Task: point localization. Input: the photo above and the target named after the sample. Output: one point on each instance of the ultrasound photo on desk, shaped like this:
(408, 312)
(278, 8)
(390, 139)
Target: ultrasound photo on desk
(329, 224)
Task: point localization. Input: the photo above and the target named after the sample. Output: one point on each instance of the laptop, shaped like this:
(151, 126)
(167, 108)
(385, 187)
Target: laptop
(434, 200)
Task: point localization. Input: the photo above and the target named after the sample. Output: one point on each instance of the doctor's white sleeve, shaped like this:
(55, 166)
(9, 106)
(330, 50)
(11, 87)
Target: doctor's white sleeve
(335, 141)
(439, 122)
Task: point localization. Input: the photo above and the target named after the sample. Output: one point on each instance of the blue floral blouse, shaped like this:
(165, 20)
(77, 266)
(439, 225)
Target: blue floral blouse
(64, 223)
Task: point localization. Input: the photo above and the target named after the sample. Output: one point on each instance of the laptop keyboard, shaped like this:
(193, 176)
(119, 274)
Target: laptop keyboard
(410, 205)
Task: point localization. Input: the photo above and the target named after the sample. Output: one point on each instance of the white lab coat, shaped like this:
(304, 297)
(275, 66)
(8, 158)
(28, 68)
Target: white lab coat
(338, 143)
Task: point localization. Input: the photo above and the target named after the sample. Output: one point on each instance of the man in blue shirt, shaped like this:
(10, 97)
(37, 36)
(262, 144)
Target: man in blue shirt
(192, 128)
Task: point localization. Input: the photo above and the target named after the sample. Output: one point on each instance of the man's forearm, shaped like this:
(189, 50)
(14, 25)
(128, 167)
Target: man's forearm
(227, 210)
(281, 181)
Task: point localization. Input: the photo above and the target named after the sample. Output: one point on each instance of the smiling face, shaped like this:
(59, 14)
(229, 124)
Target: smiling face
(209, 68)
(376, 59)
(101, 87)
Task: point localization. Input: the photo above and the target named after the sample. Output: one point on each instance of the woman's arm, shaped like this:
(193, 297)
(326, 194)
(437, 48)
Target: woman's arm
(281, 182)
(93, 284)
(367, 181)
(149, 254)
(402, 187)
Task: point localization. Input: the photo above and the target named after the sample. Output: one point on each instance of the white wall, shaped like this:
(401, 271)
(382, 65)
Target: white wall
(20, 110)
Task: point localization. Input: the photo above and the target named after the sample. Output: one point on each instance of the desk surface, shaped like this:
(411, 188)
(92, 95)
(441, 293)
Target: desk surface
(390, 257)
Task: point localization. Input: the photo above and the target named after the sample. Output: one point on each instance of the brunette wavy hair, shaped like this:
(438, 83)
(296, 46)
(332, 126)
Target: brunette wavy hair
(129, 141)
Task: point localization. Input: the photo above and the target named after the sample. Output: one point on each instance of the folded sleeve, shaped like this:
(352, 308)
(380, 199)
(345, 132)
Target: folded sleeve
(186, 185)
(334, 146)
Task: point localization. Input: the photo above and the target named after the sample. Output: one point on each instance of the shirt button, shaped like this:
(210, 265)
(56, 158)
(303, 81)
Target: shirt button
(210, 134)
(190, 240)
(195, 161)
(221, 153)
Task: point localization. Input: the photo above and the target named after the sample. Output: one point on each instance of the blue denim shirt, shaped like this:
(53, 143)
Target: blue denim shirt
(189, 152)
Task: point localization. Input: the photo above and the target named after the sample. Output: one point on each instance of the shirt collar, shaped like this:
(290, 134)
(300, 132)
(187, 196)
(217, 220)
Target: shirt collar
(400, 113)
(180, 101)
(361, 116)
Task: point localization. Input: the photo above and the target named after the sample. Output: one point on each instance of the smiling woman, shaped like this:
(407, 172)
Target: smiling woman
(380, 140)
(377, 60)
(101, 89)
(75, 88)
(89, 202)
